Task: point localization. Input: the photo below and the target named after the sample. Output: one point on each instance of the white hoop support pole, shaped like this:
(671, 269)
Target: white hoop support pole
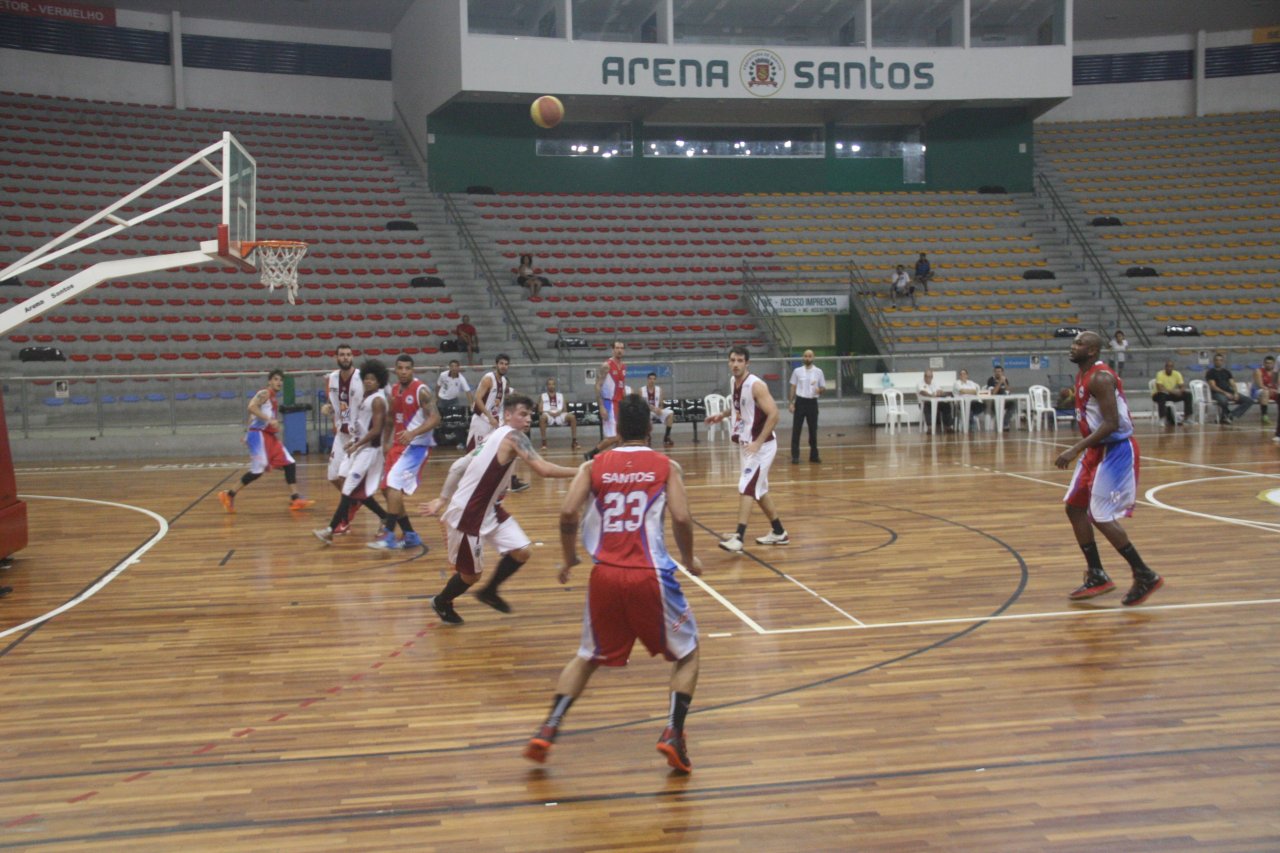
(90, 277)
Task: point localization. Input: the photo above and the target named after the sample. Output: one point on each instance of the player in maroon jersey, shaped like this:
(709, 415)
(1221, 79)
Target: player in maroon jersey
(633, 592)
(611, 387)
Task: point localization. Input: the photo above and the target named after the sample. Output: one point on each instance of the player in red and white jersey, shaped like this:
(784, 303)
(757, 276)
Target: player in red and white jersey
(1104, 486)
(633, 592)
(754, 415)
(487, 408)
(363, 455)
(653, 396)
(266, 451)
(408, 440)
(473, 517)
(611, 387)
(344, 393)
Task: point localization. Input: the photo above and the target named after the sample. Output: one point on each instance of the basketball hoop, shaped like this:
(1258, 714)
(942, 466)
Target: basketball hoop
(277, 261)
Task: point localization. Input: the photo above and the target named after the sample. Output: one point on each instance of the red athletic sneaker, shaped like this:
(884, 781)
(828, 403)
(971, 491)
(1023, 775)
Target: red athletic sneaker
(540, 744)
(342, 529)
(228, 501)
(301, 503)
(671, 744)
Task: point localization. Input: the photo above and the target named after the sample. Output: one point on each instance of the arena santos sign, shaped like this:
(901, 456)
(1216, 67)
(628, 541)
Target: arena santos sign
(763, 73)
(781, 73)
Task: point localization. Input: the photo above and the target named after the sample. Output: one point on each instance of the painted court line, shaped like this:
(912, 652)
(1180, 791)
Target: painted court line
(728, 605)
(1006, 617)
(128, 561)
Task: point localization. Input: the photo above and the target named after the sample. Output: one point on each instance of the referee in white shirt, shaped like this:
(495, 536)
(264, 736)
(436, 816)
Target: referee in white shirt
(807, 384)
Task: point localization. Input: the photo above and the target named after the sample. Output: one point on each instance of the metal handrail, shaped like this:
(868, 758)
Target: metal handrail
(1073, 228)
(873, 317)
(765, 309)
(496, 291)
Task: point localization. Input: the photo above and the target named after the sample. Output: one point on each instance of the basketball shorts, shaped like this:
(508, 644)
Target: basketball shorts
(361, 472)
(466, 550)
(754, 480)
(338, 456)
(609, 418)
(480, 430)
(624, 605)
(660, 416)
(561, 419)
(1256, 393)
(404, 466)
(266, 453)
(1105, 481)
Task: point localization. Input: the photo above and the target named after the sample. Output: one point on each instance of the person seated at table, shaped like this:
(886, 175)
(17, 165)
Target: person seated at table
(966, 387)
(932, 396)
(998, 383)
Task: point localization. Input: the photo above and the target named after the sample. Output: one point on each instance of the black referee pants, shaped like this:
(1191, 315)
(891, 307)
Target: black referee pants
(806, 410)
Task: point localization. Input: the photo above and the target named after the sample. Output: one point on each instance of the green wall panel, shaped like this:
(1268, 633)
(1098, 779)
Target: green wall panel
(493, 145)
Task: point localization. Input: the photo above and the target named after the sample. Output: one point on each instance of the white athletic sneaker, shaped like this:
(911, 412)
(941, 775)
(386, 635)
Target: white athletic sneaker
(324, 534)
(733, 543)
(772, 538)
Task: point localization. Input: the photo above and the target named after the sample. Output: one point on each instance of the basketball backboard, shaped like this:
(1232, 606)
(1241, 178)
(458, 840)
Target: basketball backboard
(239, 202)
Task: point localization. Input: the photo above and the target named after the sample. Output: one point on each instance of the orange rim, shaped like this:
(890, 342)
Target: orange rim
(249, 246)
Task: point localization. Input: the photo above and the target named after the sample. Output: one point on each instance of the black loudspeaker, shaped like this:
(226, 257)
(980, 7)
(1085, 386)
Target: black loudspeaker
(449, 345)
(1067, 331)
(992, 189)
(1105, 221)
(1039, 274)
(426, 281)
(1140, 272)
(1181, 330)
(401, 225)
(41, 354)
(479, 189)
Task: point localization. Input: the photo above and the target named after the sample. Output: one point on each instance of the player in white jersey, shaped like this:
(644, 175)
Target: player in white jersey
(754, 414)
(488, 405)
(1104, 486)
(344, 392)
(474, 517)
(266, 451)
(652, 394)
(363, 456)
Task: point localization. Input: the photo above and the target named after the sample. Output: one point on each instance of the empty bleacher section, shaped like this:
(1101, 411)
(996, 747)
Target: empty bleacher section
(665, 271)
(327, 181)
(978, 244)
(1198, 201)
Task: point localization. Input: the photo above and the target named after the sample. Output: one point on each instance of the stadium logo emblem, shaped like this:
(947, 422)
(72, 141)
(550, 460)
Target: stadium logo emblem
(763, 73)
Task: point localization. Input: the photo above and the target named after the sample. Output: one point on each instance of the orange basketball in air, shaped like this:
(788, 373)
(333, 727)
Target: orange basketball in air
(547, 111)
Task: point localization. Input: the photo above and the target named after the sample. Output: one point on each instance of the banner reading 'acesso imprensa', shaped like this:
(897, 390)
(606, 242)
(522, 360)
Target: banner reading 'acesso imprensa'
(595, 68)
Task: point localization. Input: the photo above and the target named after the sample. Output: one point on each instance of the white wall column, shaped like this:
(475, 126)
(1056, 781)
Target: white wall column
(175, 63)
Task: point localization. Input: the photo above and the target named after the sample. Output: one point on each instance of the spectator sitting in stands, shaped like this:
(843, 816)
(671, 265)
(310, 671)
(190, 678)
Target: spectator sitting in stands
(924, 272)
(527, 277)
(1265, 389)
(902, 286)
(465, 335)
(1223, 390)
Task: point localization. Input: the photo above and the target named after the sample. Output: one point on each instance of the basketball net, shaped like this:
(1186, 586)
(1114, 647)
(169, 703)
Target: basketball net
(278, 264)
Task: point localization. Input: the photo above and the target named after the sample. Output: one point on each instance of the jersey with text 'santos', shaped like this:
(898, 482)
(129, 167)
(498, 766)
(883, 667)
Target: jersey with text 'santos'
(623, 523)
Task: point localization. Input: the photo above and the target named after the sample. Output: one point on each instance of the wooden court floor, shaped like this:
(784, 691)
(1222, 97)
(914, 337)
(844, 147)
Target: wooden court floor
(906, 675)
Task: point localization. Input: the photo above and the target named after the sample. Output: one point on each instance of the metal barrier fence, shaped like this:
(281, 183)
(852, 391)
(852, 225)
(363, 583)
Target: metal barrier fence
(181, 402)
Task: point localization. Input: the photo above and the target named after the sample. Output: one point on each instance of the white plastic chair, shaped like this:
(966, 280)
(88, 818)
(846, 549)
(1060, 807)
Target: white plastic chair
(1041, 405)
(895, 410)
(1155, 407)
(1200, 399)
(716, 403)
